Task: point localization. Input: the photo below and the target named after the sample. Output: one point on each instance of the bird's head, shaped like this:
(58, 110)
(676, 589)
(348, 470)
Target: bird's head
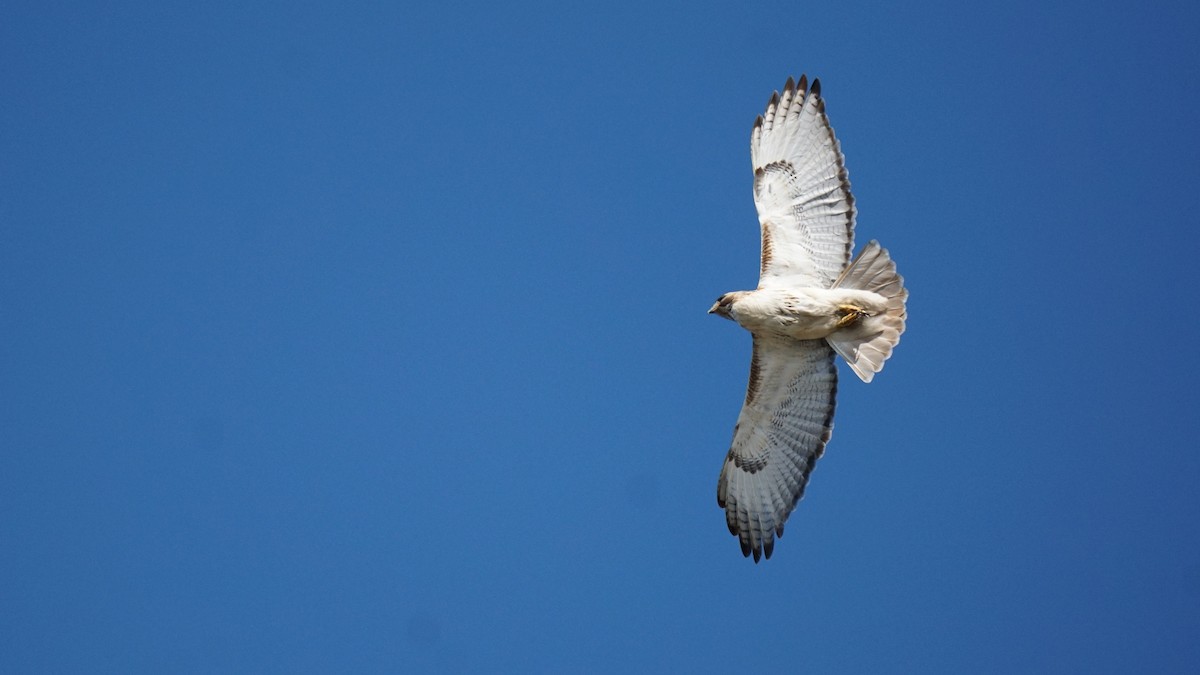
(723, 306)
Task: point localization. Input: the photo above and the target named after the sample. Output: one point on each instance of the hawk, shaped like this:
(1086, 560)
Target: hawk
(812, 302)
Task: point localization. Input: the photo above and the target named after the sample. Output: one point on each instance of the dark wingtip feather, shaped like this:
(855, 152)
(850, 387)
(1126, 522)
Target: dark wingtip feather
(768, 547)
(803, 86)
(790, 85)
(816, 87)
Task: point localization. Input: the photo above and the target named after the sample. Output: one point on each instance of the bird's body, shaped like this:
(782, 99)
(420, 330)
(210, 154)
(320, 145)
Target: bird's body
(812, 302)
(800, 313)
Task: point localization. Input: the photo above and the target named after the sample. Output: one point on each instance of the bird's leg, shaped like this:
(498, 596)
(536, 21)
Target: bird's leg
(850, 315)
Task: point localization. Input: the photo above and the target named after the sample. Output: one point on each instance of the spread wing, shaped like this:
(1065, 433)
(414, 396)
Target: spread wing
(805, 208)
(782, 430)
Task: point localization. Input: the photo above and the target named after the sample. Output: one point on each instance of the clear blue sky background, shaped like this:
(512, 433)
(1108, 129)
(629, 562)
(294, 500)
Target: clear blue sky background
(371, 337)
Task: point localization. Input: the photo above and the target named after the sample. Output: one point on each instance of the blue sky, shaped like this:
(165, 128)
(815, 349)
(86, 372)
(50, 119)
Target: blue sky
(372, 337)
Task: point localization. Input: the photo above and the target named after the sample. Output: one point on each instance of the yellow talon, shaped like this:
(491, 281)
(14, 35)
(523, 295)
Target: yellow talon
(850, 315)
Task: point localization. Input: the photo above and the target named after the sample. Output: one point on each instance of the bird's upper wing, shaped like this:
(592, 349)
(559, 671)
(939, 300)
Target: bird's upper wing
(781, 432)
(805, 208)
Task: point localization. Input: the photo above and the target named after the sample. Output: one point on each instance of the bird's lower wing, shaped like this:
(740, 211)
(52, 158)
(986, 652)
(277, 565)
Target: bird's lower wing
(781, 432)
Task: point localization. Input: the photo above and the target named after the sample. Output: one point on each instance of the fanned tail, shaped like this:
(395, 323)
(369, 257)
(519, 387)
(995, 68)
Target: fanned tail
(867, 344)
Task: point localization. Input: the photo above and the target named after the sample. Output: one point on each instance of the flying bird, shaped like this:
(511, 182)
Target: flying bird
(812, 302)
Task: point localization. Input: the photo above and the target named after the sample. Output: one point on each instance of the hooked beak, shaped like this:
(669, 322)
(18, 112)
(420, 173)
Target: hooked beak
(713, 309)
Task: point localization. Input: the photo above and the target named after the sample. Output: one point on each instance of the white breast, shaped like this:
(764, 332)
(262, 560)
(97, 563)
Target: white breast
(801, 313)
